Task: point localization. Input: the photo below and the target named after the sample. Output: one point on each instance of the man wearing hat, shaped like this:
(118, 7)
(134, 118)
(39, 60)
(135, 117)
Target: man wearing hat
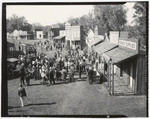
(51, 75)
(22, 94)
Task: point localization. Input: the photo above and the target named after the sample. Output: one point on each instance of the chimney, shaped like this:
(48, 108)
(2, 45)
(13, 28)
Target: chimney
(124, 35)
(114, 37)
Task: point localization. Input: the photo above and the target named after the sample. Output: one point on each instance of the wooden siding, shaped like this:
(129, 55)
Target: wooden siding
(141, 75)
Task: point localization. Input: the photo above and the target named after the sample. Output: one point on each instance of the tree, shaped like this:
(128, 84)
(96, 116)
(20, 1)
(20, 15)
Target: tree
(73, 21)
(19, 23)
(110, 17)
(61, 26)
(26, 27)
(37, 27)
(141, 22)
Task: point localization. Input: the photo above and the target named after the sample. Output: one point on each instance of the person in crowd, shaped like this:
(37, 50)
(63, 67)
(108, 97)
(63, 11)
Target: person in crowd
(83, 64)
(19, 46)
(71, 71)
(80, 69)
(64, 74)
(55, 55)
(51, 47)
(22, 75)
(51, 76)
(90, 75)
(57, 74)
(28, 74)
(43, 75)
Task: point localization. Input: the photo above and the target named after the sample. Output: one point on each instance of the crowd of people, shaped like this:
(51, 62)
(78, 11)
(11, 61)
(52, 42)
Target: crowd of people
(38, 66)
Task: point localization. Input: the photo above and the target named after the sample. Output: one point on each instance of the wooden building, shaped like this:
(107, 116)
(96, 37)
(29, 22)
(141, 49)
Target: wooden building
(75, 36)
(93, 38)
(59, 39)
(123, 66)
(39, 34)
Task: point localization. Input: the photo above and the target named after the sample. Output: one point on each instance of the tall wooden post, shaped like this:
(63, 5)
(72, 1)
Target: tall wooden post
(109, 77)
(136, 77)
(104, 67)
(112, 79)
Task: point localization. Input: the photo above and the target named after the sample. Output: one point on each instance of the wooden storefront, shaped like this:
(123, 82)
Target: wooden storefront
(125, 65)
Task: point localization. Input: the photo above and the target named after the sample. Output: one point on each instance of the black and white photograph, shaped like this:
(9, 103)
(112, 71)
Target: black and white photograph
(75, 59)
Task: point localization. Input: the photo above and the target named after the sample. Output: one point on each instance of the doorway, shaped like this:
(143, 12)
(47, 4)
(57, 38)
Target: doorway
(132, 81)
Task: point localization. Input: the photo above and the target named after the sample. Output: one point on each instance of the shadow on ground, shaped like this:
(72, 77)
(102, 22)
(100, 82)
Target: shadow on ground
(11, 107)
(42, 104)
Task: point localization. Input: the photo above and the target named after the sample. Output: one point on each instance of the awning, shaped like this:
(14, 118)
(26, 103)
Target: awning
(104, 47)
(12, 59)
(119, 54)
(9, 44)
(11, 40)
(59, 37)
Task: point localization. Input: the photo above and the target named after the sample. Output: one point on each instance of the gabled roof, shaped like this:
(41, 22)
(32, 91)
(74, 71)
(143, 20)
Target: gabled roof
(90, 31)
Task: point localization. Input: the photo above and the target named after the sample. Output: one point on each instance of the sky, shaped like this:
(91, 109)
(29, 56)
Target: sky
(51, 14)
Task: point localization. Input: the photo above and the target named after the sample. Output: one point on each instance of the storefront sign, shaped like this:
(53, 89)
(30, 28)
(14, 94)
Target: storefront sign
(128, 44)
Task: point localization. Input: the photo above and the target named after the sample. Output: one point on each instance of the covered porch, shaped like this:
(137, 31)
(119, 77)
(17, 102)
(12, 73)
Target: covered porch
(121, 70)
(59, 39)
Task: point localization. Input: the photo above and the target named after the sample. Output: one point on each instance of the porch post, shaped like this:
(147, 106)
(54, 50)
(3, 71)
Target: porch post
(136, 78)
(108, 75)
(104, 66)
(112, 79)
(109, 78)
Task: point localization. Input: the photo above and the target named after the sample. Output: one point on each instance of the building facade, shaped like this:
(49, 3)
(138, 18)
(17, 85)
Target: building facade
(75, 36)
(39, 34)
(93, 38)
(123, 65)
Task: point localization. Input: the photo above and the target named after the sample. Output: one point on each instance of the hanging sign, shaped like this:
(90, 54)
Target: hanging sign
(128, 44)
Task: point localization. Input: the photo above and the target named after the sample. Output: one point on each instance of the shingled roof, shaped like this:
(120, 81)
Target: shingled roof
(104, 47)
(119, 54)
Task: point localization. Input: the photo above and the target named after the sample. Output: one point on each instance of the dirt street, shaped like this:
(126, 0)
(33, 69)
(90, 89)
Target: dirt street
(76, 98)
